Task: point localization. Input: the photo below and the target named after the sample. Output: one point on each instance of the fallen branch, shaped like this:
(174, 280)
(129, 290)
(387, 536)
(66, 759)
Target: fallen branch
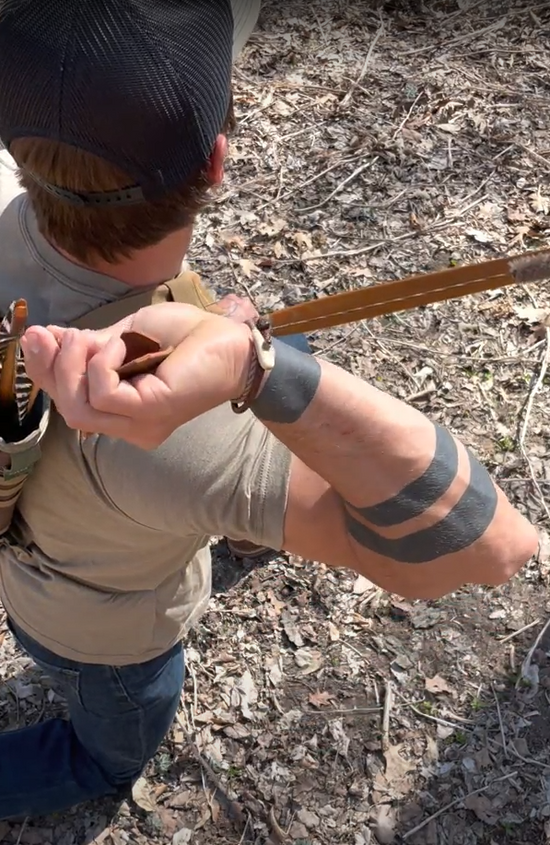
(535, 387)
(454, 803)
(388, 703)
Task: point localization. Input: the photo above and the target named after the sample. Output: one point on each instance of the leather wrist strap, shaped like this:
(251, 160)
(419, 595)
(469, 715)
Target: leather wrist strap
(261, 362)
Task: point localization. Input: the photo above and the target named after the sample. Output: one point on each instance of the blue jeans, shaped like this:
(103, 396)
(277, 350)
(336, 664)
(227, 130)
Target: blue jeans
(118, 719)
(298, 341)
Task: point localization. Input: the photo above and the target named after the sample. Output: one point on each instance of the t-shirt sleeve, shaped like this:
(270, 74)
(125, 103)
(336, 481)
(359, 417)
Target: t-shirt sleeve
(221, 474)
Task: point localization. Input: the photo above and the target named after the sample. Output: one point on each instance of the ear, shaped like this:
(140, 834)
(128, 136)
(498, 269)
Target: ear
(216, 161)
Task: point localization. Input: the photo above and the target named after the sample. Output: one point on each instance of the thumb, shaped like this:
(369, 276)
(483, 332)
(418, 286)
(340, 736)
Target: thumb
(40, 349)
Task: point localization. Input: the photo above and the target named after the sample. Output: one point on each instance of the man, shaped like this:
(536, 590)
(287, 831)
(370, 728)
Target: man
(107, 566)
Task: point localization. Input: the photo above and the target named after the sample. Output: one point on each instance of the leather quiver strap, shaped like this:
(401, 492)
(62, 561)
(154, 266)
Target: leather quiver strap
(186, 288)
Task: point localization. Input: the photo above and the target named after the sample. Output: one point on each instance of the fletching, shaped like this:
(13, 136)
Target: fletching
(21, 385)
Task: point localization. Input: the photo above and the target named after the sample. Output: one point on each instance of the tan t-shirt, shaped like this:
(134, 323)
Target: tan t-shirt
(113, 564)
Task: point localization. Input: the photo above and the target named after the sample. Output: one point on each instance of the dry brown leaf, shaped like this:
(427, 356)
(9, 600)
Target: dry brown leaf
(248, 267)
(248, 694)
(307, 818)
(291, 629)
(479, 236)
(385, 821)
(333, 632)
(533, 315)
(183, 836)
(180, 799)
(539, 202)
(303, 240)
(309, 660)
(432, 750)
(143, 796)
(274, 670)
(277, 605)
(437, 685)
(362, 585)
(362, 272)
(515, 215)
(273, 227)
(482, 807)
(320, 699)
(231, 239)
(451, 128)
(396, 765)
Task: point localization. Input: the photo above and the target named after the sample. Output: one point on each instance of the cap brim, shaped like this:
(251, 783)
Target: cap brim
(245, 16)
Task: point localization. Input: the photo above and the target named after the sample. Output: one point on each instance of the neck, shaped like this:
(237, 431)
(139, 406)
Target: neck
(147, 267)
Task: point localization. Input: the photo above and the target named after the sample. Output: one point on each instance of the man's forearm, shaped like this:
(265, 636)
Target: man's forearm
(411, 492)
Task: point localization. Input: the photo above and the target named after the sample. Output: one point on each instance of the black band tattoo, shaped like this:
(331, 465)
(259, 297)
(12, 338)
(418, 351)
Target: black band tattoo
(421, 493)
(465, 523)
(290, 386)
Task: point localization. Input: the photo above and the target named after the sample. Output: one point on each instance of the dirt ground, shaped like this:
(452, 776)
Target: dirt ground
(375, 141)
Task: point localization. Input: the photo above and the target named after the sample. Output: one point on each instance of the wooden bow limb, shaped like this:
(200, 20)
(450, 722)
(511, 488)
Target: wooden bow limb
(373, 301)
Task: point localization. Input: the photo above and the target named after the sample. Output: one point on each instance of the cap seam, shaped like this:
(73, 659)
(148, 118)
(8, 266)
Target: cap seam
(70, 40)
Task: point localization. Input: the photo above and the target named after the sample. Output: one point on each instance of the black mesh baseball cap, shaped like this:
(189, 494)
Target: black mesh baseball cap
(143, 84)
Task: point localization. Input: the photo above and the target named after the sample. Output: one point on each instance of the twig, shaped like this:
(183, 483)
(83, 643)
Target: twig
(424, 350)
(436, 719)
(436, 226)
(346, 100)
(520, 631)
(530, 761)
(308, 182)
(194, 705)
(405, 119)
(278, 836)
(240, 282)
(338, 188)
(352, 711)
(529, 656)
(500, 722)
(388, 702)
(339, 342)
(22, 830)
(535, 387)
(460, 39)
(231, 807)
(346, 253)
(421, 394)
(454, 803)
(534, 155)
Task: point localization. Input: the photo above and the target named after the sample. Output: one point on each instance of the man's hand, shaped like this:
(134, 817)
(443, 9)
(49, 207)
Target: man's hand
(208, 367)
